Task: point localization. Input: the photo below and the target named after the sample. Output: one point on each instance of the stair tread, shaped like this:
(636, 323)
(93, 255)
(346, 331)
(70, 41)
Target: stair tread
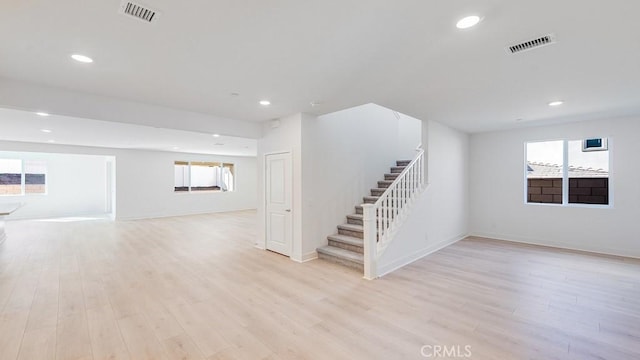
(346, 239)
(351, 227)
(342, 254)
(379, 189)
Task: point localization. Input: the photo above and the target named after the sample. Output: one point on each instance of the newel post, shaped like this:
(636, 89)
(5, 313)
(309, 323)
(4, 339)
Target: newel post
(370, 242)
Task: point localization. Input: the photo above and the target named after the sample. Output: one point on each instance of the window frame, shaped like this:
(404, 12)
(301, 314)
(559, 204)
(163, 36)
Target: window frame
(565, 174)
(189, 164)
(23, 179)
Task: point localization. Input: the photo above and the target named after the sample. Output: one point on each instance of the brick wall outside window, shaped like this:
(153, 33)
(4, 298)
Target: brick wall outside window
(581, 190)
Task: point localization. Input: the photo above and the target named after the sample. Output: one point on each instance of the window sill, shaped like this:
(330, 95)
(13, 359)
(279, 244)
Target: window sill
(587, 206)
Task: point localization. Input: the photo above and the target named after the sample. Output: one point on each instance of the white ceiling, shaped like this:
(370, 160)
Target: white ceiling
(26, 126)
(406, 55)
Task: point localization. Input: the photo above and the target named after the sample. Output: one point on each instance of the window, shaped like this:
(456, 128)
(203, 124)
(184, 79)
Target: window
(18, 177)
(35, 174)
(568, 172)
(545, 172)
(588, 172)
(197, 176)
(205, 176)
(10, 177)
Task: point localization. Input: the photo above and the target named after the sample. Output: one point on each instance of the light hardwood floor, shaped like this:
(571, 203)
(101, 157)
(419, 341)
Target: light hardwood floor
(195, 288)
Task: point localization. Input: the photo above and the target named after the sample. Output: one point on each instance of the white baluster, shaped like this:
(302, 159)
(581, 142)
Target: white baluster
(402, 194)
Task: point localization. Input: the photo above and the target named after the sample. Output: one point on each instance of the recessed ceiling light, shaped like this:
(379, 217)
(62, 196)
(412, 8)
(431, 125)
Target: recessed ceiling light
(265, 102)
(42, 114)
(51, 141)
(216, 135)
(556, 103)
(175, 148)
(82, 58)
(46, 130)
(467, 22)
(218, 144)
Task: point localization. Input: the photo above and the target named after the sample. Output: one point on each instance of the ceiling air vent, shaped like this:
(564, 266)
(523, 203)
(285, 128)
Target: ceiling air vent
(531, 44)
(138, 11)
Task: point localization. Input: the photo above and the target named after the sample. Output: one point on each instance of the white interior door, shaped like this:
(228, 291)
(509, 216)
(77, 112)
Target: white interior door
(278, 190)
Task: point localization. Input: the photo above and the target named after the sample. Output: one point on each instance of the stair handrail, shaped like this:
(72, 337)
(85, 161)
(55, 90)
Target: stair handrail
(381, 219)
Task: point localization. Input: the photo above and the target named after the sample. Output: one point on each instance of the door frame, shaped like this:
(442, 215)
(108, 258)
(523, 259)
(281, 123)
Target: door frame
(264, 200)
(110, 201)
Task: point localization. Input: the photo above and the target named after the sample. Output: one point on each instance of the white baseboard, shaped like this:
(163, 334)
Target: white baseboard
(187, 213)
(307, 257)
(553, 244)
(406, 260)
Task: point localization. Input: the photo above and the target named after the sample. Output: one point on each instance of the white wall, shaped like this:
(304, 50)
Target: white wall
(145, 181)
(497, 191)
(76, 185)
(439, 216)
(344, 155)
(409, 136)
(286, 137)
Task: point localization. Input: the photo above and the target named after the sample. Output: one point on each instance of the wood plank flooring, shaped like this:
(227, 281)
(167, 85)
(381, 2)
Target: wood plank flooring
(194, 287)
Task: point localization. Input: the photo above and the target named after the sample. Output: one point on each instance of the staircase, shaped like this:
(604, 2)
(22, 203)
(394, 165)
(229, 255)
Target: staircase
(347, 246)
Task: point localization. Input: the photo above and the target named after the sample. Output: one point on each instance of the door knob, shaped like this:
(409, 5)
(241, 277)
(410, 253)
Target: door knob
(288, 210)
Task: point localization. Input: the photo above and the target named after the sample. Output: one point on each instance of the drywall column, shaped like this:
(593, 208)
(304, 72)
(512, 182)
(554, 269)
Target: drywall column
(282, 135)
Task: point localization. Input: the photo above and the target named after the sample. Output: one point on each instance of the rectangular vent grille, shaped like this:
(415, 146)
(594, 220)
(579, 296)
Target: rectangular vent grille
(138, 11)
(531, 44)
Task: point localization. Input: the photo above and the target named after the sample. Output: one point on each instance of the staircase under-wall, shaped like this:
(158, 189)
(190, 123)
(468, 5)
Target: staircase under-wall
(347, 246)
